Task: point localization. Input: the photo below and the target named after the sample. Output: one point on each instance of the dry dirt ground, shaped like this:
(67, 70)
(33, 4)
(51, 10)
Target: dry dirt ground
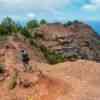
(79, 80)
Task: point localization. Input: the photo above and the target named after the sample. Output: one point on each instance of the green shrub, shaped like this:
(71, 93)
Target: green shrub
(43, 21)
(33, 43)
(8, 25)
(2, 68)
(67, 24)
(51, 56)
(32, 24)
(98, 42)
(26, 33)
(3, 31)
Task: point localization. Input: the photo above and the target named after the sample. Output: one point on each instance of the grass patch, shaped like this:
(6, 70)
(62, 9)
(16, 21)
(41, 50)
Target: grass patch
(2, 68)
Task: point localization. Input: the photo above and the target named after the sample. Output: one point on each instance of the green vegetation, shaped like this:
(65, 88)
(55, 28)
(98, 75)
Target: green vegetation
(98, 42)
(52, 57)
(19, 26)
(2, 68)
(26, 33)
(8, 26)
(32, 24)
(43, 21)
(3, 31)
(33, 43)
(67, 24)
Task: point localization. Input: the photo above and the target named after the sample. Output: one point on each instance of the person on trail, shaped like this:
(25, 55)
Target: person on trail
(25, 59)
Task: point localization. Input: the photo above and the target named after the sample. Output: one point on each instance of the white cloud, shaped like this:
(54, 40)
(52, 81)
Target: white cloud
(28, 9)
(89, 7)
(33, 5)
(96, 2)
(50, 9)
(30, 16)
(93, 5)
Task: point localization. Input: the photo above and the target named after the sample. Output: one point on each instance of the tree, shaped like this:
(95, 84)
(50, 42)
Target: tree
(19, 26)
(67, 24)
(76, 21)
(9, 25)
(32, 24)
(26, 33)
(43, 21)
(3, 31)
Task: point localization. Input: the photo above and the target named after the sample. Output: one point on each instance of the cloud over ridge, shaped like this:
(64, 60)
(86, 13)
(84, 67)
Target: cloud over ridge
(58, 9)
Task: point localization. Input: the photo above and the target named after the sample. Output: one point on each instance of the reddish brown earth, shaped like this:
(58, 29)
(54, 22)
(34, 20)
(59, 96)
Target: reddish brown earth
(79, 80)
(70, 80)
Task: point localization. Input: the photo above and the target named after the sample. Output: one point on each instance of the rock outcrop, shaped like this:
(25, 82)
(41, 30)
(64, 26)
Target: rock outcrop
(77, 40)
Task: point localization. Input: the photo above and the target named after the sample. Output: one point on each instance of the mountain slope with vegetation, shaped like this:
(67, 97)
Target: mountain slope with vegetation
(57, 42)
(49, 43)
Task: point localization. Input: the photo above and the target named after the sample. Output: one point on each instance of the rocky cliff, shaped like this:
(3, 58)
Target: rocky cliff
(75, 41)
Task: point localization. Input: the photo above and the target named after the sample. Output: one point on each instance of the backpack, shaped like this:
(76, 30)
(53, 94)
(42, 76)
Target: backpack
(24, 56)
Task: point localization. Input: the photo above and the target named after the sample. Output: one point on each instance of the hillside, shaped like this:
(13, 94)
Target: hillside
(76, 78)
(56, 42)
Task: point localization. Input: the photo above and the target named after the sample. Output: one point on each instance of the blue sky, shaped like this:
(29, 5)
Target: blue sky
(52, 10)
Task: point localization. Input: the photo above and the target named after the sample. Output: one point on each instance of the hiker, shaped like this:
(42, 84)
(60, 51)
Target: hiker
(25, 59)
